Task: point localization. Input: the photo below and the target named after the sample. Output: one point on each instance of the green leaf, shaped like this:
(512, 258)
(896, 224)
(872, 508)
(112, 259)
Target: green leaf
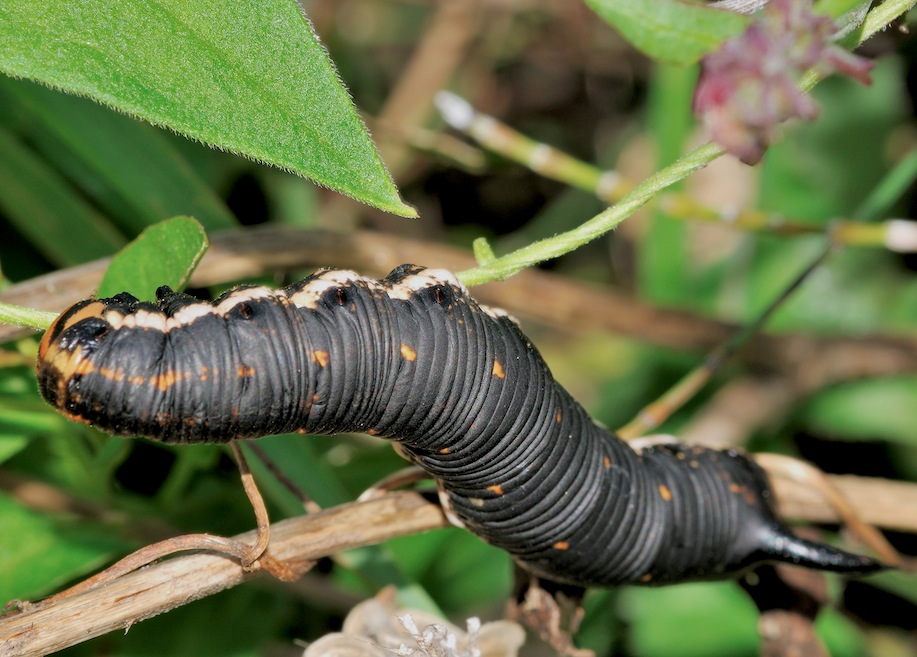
(38, 554)
(687, 620)
(250, 78)
(132, 170)
(898, 583)
(841, 635)
(836, 8)
(674, 31)
(35, 198)
(879, 409)
(164, 254)
(11, 444)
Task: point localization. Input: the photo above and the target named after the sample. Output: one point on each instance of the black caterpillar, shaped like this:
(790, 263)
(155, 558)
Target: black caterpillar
(414, 358)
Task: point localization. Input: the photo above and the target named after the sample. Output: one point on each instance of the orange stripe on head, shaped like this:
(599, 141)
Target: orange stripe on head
(73, 315)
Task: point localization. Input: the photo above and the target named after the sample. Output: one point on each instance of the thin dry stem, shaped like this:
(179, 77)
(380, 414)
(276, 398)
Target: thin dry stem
(49, 626)
(261, 517)
(780, 466)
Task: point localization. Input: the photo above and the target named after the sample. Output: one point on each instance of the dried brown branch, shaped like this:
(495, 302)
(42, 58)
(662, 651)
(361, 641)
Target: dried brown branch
(45, 628)
(50, 626)
(879, 502)
(782, 467)
(805, 362)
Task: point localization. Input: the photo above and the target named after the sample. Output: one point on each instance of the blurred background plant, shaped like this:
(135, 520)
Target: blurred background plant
(77, 181)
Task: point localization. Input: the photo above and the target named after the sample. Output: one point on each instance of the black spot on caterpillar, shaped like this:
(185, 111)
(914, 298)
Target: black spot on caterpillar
(415, 359)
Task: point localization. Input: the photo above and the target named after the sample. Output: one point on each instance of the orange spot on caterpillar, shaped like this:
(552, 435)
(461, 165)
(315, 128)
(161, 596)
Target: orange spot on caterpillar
(167, 380)
(559, 416)
(372, 432)
(561, 545)
(112, 374)
(407, 353)
(646, 578)
(245, 371)
(665, 492)
(445, 450)
(498, 369)
(496, 489)
(321, 357)
(606, 462)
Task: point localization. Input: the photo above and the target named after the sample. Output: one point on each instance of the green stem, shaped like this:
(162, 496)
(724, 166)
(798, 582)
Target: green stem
(28, 317)
(554, 247)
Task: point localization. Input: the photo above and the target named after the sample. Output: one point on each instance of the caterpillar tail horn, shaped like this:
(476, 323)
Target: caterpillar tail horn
(785, 547)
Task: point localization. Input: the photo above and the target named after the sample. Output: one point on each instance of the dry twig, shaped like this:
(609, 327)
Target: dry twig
(50, 626)
(43, 628)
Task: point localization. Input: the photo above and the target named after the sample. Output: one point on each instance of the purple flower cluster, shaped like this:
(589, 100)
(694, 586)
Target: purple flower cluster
(749, 86)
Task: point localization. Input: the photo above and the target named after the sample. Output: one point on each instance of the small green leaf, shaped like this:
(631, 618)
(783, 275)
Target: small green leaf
(483, 252)
(251, 78)
(674, 31)
(164, 254)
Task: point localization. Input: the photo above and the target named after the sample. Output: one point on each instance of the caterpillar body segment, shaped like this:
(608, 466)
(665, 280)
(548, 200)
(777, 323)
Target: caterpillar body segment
(415, 359)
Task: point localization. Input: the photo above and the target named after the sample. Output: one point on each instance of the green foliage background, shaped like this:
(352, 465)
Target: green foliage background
(78, 181)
